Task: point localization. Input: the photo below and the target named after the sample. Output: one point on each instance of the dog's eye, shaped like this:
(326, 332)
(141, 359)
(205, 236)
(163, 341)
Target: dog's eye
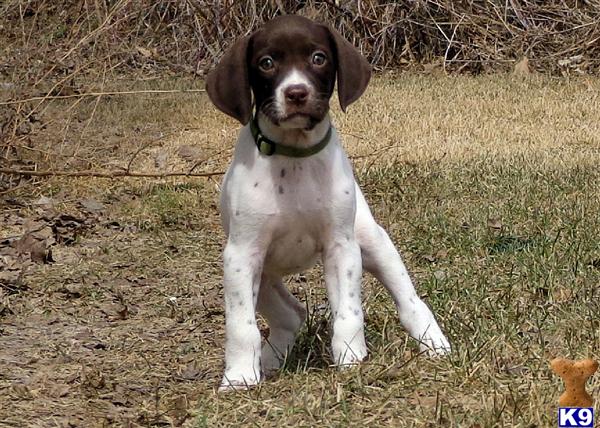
(266, 63)
(319, 58)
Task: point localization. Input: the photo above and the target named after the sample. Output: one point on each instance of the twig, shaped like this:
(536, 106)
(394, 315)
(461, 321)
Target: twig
(99, 94)
(96, 103)
(107, 174)
(138, 151)
(13, 189)
(206, 159)
(450, 42)
(376, 152)
(351, 134)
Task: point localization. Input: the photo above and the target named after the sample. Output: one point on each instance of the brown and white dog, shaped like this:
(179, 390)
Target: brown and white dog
(289, 198)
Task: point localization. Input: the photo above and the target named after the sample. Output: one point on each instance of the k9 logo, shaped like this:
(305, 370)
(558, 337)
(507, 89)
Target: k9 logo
(575, 417)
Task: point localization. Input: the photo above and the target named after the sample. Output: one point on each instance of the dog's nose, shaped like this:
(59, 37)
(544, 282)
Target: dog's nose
(296, 94)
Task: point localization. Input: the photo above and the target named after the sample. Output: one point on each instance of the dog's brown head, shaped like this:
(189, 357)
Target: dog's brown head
(290, 65)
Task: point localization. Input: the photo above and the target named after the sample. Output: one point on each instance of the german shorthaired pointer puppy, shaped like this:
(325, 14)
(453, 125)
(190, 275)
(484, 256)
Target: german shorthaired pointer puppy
(289, 198)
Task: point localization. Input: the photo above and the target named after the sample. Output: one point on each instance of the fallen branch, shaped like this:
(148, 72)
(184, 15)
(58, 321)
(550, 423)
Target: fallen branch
(100, 94)
(107, 174)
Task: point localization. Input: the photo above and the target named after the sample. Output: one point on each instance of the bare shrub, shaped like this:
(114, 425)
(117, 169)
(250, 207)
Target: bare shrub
(188, 35)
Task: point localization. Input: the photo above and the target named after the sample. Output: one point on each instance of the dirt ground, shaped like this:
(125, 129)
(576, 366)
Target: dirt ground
(110, 297)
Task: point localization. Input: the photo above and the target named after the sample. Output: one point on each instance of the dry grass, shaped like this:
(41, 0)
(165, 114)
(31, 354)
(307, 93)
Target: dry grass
(100, 37)
(488, 185)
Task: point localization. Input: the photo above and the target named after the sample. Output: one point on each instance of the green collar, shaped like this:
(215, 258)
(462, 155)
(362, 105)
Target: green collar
(268, 147)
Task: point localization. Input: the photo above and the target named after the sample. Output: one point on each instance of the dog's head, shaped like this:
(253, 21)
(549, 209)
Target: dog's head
(290, 65)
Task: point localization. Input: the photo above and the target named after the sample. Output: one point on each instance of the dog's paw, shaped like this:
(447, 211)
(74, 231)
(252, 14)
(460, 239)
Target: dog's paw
(234, 386)
(346, 357)
(434, 343)
(238, 382)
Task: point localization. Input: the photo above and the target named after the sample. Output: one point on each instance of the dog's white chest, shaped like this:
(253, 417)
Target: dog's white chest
(290, 203)
(301, 218)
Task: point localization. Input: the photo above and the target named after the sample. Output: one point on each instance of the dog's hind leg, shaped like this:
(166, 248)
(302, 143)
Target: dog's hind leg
(380, 257)
(285, 315)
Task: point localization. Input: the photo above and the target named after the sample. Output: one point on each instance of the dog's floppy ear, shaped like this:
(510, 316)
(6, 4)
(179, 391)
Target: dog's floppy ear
(353, 70)
(228, 85)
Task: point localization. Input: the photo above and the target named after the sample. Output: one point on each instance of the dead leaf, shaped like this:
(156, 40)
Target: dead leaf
(435, 68)
(36, 248)
(34, 225)
(189, 153)
(116, 311)
(72, 290)
(120, 396)
(432, 258)
(67, 227)
(45, 234)
(562, 294)
(441, 254)
(92, 205)
(146, 53)
(429, 257)
(423, 400)
(58, 390)
(522, 67)
(191, 372)
(178, 410)
(160, 160)
(11, 281)
(494, 223)
(439, 275)
(44, 201)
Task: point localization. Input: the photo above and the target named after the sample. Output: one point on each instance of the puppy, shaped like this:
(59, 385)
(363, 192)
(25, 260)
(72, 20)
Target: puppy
(289, 199)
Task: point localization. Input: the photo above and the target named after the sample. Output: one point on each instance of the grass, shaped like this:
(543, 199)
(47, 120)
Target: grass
(489, 187)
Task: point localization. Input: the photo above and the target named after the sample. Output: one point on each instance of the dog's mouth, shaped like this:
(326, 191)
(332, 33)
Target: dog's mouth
(298, 121)
(295, 115)
(305, 118)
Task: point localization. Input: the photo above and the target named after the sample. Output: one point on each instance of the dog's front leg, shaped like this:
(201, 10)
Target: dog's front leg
(343, 272)
(242, 271)
(381, 258)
